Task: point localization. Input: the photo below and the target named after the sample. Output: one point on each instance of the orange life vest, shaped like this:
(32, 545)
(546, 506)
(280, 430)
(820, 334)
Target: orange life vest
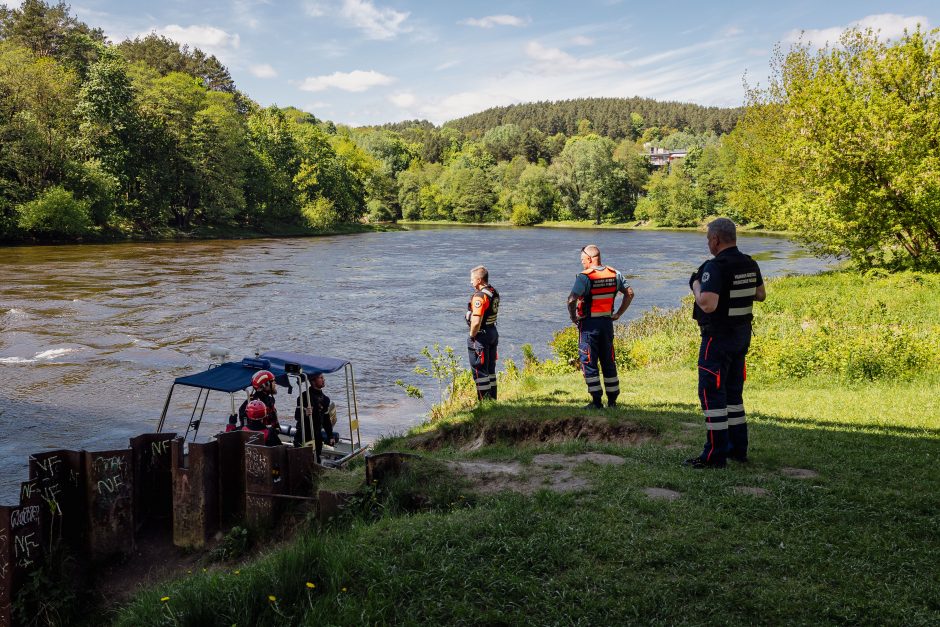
(599, 300)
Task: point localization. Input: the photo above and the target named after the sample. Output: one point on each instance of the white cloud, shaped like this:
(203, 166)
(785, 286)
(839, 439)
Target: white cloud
(581, 40)
(357, 80)
(558, 61)
(403, 99)
(315, 9)
(244, 11)
(731, 31)
(11, 4)
(375, 22)
(209, 39)
(262, 70)
(446, 65)
(494, 20)
(665, 55)
(887, 25)
(688, 74)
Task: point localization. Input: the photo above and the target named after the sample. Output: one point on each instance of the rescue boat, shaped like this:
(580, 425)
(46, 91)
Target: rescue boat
(293, 372)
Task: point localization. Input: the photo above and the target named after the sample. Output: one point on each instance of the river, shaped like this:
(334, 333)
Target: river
(91, 336)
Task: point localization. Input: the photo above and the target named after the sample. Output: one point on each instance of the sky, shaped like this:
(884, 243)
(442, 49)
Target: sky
(364, 62)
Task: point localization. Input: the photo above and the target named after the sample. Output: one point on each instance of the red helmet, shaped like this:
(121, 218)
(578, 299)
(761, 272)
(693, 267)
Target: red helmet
(260, 378)
(256, 410)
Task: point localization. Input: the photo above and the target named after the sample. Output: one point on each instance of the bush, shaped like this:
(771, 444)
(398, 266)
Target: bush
(379, 211)
(321, 214)
(95, 186)
(523, 215)
(55, 212)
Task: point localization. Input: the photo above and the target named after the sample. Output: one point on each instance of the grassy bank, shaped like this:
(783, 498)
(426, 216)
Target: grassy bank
(836, 519)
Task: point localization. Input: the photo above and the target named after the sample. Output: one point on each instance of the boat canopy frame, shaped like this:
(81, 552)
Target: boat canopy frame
(289, 369)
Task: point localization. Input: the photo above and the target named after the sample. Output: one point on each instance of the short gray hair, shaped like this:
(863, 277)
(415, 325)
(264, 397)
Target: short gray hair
(480, 272)
(592, 251)
(725, 229)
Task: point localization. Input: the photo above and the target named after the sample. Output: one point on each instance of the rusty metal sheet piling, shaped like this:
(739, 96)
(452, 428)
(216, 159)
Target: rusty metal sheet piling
(58, 477)
(302, 471)
(153, 479)
(195, 493)
(6, 568)
(21, 549)
(109, 490)
(265, 470)
(232, 473)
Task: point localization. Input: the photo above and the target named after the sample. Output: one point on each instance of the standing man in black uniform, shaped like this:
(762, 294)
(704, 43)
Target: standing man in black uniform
(725, 289)
(481, 344)
(313, 419)
(591, 308)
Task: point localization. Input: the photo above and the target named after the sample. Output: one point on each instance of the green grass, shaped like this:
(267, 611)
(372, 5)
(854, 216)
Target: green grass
(858, 544)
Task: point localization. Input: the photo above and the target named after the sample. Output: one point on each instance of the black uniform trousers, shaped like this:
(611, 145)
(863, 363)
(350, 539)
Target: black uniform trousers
(596, 345)
(483, 355)
(721, 374)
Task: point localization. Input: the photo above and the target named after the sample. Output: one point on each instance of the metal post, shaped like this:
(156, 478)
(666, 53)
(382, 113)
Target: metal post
(201, 414)
(193, 415)
(166, 406)
(349, 404)
(355, 406)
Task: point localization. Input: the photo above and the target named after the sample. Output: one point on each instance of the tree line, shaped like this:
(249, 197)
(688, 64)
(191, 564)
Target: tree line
(144, 136)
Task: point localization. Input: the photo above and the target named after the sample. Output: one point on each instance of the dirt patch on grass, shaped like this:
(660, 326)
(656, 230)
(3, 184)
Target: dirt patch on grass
(799, 473)
(548, 471)
(750, 490)
(471, 437)
(662, 494)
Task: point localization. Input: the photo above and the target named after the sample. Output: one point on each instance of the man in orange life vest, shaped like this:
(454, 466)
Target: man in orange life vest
(481, 344)
(591, 307)
(725, 289)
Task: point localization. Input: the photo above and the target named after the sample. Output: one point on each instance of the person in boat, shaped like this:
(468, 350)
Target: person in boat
(483, 339)
(264, 389)
(315, 408)
(256, 415)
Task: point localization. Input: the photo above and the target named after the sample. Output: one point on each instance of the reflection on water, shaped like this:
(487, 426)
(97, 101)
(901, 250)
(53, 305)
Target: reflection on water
(92, 336)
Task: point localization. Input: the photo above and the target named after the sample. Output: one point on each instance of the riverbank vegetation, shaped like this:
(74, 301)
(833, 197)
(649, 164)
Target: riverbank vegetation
(533, 510)
(117, 139)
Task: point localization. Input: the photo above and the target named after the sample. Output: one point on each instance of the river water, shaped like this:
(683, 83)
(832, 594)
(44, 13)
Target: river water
(91, 336)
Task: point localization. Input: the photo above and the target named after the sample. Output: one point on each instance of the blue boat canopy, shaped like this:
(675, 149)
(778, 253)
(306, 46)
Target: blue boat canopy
(235, 376)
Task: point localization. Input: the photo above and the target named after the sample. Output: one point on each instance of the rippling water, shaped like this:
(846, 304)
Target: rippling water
(92, 336)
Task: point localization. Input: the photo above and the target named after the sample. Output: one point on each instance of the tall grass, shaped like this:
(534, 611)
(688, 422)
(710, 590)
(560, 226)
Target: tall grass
(855, 328)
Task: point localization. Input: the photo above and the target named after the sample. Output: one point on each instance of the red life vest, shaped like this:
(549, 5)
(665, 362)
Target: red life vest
(598, 302)
(487, 307)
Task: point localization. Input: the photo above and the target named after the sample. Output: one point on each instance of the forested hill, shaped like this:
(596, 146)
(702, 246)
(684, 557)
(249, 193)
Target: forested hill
(616, 118)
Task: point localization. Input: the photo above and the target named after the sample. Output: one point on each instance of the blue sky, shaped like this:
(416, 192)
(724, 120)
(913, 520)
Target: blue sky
(373, 61)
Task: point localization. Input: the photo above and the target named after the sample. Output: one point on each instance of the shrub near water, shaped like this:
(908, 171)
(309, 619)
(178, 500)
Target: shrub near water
(806, 327)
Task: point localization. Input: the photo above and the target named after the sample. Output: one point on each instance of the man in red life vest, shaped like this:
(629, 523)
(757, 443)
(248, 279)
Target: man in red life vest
(591, 308)
(481, 344)
(264, 389)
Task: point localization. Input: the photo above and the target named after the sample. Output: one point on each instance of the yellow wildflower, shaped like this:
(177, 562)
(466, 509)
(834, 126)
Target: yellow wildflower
(164, 599)
(272, 598)
(311, 585)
